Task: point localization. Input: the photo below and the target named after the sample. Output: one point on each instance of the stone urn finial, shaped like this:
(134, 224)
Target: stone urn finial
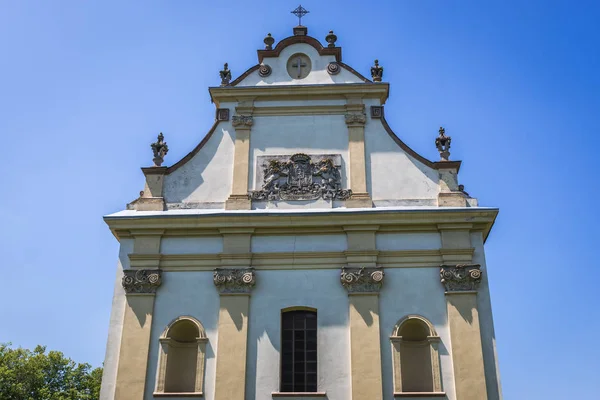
(331, 38)
(269, 40)
(225, 75)
(377, 72)
(442, 142)
(160, 150)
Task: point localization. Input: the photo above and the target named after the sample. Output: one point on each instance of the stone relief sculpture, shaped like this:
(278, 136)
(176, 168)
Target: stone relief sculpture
(299, 178)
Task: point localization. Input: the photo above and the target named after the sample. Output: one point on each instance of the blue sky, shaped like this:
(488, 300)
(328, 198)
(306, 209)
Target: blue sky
(86, 86)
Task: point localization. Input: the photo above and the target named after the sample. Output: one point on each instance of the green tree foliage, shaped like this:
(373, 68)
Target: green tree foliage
(37, 375)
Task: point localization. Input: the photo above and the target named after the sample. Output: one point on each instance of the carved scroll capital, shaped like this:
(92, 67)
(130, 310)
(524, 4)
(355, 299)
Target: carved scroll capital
(141, 281)
(362, 280)
(462, 277)
(242, 121)
(356, 119)
(234, 280)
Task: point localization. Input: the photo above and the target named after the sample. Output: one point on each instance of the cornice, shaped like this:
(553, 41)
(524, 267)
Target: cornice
(304, 92)
(330, 221)
(300, 260)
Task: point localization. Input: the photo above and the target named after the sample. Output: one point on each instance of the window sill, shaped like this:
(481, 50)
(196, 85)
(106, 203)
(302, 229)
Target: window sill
(419, 394)
(299, 394)
(178, 394)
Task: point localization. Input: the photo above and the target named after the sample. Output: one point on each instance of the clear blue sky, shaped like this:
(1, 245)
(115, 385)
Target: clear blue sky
(86, 86)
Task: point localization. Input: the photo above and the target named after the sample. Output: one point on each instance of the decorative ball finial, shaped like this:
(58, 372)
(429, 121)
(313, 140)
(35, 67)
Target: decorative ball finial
(442, 142)
(376, 72)
(225, 75)
(269, 40)
(331, 38)
(160, 150)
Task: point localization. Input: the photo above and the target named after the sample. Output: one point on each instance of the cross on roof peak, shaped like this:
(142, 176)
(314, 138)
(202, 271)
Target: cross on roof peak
(300, 12)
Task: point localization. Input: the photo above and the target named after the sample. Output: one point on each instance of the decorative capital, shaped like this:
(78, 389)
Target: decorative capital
(460, 277)
(269, 40)
(376, 72)
(356, 119)
(442, 142)
(141, 281)
(331, 38)
(362, 280)
(225, 75)
(160, 150)
(234, 280)
(242, 120)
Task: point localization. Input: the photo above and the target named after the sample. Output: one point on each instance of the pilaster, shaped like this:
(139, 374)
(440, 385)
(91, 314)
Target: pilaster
(363, 285)
(461, 283)
(151, 198)
(140, 286)
(234, 286)
(450, 195)
(242, 123)
(355, 120)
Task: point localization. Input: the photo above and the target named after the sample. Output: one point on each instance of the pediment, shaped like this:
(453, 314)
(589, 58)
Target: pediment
(317, 64)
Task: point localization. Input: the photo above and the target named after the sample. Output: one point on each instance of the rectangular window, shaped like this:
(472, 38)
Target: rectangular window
(299, 351)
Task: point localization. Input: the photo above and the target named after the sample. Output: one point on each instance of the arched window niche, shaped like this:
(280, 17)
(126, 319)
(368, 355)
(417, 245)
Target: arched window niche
(181, 358)
(416, 360)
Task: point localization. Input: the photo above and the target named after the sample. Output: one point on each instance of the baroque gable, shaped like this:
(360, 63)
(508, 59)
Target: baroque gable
(301, 100)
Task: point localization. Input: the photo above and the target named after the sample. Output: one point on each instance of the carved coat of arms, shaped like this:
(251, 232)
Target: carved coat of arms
(299, 178)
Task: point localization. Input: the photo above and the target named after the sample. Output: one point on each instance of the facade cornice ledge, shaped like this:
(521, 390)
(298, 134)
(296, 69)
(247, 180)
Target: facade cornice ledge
(289, 92)
(124, 223)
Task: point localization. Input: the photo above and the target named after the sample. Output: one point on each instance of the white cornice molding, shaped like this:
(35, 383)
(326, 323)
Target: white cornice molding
(293, 92)
(412, 220)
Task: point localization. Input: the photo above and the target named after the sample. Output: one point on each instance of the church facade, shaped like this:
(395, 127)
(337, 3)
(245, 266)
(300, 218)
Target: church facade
(302, 251)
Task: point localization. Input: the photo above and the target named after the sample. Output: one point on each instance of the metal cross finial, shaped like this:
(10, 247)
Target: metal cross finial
(300, 12)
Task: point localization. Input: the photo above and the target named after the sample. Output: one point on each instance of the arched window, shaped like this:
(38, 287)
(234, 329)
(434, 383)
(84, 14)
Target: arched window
(181, 358)
(299, 350)
(416, 360)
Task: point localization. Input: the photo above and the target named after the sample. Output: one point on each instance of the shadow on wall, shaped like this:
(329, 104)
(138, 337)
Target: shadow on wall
(141, 307)
(366, 311)
(383, 143)
(290, 293)
(181, 183)
(238, 317)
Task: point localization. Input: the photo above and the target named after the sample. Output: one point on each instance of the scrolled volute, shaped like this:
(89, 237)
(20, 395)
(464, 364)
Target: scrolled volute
(462, 277)
(242, 120)
(141, 281)
(234, 280)
(356, 119)
(362, 280)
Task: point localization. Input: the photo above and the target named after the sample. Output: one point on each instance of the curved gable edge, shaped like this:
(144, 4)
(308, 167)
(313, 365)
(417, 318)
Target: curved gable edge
(195, 151)
(414, 154)
(290, 40)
